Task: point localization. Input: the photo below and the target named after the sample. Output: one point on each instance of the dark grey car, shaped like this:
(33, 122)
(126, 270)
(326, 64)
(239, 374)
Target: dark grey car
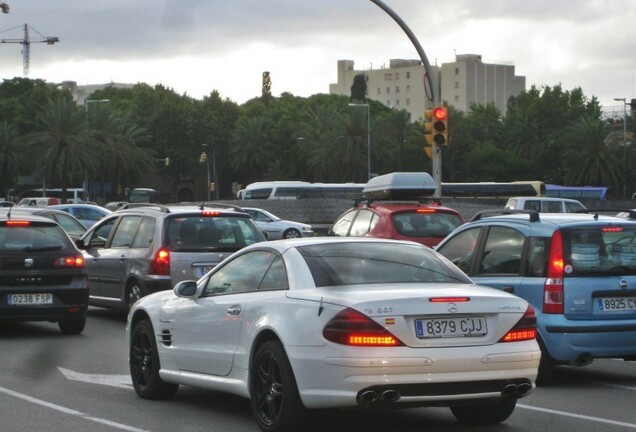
(141, 250)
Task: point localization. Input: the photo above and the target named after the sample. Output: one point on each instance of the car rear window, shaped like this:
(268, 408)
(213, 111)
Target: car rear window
(420, 224)
(337, 264)
(201, 233)
(600, 250)
(32, 237)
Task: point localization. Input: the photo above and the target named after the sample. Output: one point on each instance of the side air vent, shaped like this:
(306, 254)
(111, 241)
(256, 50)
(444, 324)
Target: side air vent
(166, 337)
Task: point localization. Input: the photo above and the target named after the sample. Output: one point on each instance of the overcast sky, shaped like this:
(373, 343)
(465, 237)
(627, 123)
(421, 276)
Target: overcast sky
(197, 46)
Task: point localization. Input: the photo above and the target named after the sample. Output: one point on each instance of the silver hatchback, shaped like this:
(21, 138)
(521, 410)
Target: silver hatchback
(138, 251)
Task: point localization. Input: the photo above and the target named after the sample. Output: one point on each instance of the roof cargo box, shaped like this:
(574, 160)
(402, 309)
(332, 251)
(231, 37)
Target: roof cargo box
(400, 186)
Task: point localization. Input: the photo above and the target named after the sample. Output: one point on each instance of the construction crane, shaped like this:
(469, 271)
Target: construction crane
(26, 42)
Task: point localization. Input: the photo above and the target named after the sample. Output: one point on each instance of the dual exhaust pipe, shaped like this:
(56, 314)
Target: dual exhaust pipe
(517, 390)
(371, 396)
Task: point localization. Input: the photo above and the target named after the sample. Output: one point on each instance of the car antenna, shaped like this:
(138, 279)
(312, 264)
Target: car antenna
(202, 206)
(321, 307)
(9, 213)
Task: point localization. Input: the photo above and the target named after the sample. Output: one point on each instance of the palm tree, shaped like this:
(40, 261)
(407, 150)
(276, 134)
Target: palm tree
(117, 141)
(13, 158)
(252, 147)
(589, 160)
(62, 148)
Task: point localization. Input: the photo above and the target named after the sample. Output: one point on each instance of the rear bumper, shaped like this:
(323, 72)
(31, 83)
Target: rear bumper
(567, 341)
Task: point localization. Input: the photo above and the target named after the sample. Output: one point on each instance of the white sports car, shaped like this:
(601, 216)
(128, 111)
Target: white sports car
(337, 322)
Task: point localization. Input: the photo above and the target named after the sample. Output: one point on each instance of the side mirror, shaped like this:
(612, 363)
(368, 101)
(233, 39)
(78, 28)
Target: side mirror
(187, 289)
(80, 244)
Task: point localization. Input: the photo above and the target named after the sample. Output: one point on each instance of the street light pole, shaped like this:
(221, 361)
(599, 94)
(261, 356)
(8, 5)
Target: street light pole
(368, 107)
(86, 189)
(625, 173)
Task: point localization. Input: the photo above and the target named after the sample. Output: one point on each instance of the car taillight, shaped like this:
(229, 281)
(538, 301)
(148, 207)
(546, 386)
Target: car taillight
(525, 329)
(18, 223)
(350, 327)
(70, 261)
(553, 288)
(160, 264)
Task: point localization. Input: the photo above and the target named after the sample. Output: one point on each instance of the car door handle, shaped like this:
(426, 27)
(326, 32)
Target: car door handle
(508, 289)
(234, 310)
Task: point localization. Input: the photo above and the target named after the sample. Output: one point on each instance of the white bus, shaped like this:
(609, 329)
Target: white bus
(73, 195)
(300, 189)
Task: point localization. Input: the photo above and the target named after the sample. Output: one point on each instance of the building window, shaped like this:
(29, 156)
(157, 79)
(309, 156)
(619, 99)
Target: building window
(388, 103)
(379, 90)
(408, 75)
(456, 71)
(397, 102)
(388, 90)
(397, 89)
(456, 84)
(397, 76)
(408, 88)
(456, 99)
(408, 102)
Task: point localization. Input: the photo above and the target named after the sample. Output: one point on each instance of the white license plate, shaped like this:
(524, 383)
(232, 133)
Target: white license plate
(29, 299)
(606, 304)
(451, 327)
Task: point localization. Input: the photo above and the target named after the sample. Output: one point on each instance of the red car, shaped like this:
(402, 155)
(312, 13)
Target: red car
(426, 223)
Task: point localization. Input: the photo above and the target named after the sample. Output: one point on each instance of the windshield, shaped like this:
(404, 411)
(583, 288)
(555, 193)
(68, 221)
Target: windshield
(600, 250)
(201, 233)
(31, 238)
(336, 264)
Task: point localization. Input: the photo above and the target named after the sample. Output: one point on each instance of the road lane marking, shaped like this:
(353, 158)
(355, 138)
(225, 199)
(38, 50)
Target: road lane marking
(580, 416)
(70, 411)
(120, 381)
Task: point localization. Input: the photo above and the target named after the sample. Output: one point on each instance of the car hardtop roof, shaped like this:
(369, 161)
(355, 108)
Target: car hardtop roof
(29, 216)
(309, 241)
(544, 198)
(183, 209)
(394, 206)
(554, 218)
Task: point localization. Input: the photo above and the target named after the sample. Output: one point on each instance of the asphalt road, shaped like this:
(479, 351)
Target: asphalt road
(55, 383)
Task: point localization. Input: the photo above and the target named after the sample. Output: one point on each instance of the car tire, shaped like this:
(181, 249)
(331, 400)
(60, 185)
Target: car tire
(485, 413)
(291, 234)
(144, 364)
(72, 326)
(134, 292)
(274, 396)
(546, 366)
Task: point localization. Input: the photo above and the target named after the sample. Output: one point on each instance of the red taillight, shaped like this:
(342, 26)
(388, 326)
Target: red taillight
(70, 261)
(350, 327)
(553, 288)
(18, 223)
(612, 229)
(160, 265)
(211, 213)
(525, 329)
(426, 210)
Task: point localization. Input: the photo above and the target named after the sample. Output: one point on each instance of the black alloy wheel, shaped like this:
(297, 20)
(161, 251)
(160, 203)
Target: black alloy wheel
(274, 394)
(144, 364)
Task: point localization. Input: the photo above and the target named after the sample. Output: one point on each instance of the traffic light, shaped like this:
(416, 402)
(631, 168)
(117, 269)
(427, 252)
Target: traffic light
(440, 126)
(4, 7)
(428, 127)
(203, 157)
(212, 187)
(167, 161)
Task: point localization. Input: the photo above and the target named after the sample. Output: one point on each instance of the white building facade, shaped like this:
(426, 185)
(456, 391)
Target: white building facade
(465, 81)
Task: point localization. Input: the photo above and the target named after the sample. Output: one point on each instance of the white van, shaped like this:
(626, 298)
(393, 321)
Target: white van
(545, 204)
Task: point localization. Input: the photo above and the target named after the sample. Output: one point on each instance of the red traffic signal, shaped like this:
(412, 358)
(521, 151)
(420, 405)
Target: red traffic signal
(440, 126)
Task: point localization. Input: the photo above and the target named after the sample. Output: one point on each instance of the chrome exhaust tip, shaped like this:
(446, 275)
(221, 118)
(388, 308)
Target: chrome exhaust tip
(391, 396)
(510, 390)
(368, 396)
(524, 389)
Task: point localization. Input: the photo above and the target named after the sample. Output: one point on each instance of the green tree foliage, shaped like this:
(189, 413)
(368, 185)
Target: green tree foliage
(62, 147)
(359, 88)
(13, 160)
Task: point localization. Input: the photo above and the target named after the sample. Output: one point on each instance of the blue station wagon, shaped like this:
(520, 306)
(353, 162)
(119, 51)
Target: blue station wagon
(577, 270)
